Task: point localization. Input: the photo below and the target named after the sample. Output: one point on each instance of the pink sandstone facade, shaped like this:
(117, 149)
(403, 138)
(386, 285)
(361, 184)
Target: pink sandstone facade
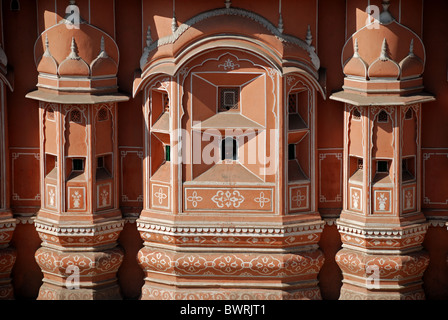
(223, 150)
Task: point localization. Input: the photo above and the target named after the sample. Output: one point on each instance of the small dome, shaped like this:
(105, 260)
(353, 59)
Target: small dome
(356, 66)
(47, 63)
(103, 65)
(411, 66)
(74, 65)
(384, 67)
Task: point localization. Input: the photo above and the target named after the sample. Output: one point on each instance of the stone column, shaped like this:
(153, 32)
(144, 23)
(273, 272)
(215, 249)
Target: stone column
(80, 221)
(381, 225)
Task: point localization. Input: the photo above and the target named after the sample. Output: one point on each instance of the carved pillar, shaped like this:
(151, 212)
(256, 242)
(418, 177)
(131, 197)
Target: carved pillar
(80, 220)
(381, 225)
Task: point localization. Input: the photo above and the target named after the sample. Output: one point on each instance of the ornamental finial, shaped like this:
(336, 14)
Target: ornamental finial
(384, 56)
(73, 50)
(356, 54)
(385, 16)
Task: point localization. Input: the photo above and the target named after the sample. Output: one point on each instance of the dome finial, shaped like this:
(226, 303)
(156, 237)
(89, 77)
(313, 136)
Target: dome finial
(384, 56)
(47, 46)
(73, 50)
(356, 48)
(385, 16)
(411, 48)
(148, 36)
(103, 53)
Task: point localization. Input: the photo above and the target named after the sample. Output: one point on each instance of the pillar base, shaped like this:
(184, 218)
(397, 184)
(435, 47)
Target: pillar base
(382, 275)
(79, 275)
(161, 292)
(210, 262)
(7, 259)
(54, 292)
(350, 292)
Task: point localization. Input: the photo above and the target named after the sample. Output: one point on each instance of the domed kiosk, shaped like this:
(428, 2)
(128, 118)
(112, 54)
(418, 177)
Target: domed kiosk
(79, 220)
(382, 227)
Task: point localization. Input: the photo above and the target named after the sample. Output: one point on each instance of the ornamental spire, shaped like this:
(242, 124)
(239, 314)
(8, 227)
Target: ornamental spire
(384, 56)
(356, 48)
(280, 19)
(174, 21)
(47, 47)
(73, 50)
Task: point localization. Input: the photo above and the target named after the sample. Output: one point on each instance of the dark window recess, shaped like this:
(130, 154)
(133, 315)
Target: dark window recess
(382, 166)
(75, 116)
(166, 102)
(408, 114)
(360, 164)
(15, 5)
(356, 114)
(291, 151)
(292, 103)
(167, 153)
(103, 114)
(383, 116)
(229, 149)
(50, 113)
(100, 162)
(229, 99)
(404, 165)
(77, 165)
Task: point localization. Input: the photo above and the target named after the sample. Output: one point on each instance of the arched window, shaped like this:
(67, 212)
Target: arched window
(383, 116)
(75, 116)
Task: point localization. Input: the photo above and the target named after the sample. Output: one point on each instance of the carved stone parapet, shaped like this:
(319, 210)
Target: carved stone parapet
(77, 235)
(376, 238)
(300, 234)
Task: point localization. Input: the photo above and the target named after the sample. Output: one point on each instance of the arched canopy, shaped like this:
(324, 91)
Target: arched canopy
(234, 29)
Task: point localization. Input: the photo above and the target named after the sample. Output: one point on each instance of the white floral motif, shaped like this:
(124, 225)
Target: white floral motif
(298, 198)
(382, 201)
(261, 200)
(228, 199)
(409, 197)
(229, 64)
(76, 199)
(194, 198)
(104, 198)
(51, 195)
(160, 195)
(355, 198)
